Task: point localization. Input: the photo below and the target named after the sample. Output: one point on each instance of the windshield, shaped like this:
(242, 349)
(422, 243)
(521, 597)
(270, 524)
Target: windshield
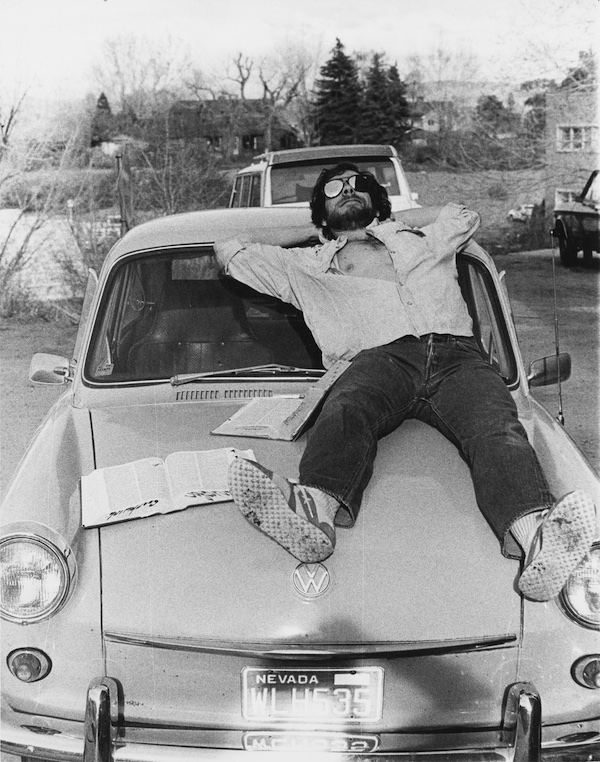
(169, 313)
(293, 183)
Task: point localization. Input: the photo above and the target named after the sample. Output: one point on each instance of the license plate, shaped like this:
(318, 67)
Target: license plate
(258, 740)
(315, 695)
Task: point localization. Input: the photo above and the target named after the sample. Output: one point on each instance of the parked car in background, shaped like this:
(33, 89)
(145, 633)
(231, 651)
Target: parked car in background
(577, 223)
(521, 213)
(189, 635)
(286, 178)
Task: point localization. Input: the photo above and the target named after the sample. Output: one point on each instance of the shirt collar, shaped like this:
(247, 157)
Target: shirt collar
(329, 249)
(327, 252)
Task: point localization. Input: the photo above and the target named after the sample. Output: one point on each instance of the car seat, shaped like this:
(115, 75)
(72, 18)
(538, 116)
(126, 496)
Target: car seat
(198, 326)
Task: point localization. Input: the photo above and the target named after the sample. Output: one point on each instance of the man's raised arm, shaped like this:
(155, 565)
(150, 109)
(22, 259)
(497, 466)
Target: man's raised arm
(287, 237)
(260, 258)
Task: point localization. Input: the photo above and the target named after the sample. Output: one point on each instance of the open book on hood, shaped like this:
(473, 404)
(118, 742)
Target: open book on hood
(150, 486)
(281, 416)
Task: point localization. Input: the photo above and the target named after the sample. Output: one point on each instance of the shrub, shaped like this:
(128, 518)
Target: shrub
(498, 191)
(171, 176)
(30, 190)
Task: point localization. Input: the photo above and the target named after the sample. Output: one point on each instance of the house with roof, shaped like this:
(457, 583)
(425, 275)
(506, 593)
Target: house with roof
(571, 142)
(236, 128)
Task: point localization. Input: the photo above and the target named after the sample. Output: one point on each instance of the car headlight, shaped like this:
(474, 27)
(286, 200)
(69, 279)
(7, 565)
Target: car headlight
(581, 595)
(35, 578)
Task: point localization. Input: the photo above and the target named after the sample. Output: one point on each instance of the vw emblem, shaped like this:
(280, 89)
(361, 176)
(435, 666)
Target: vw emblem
(311, 580)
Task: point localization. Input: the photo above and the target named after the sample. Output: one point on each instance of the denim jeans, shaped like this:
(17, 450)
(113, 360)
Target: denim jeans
(444, 381)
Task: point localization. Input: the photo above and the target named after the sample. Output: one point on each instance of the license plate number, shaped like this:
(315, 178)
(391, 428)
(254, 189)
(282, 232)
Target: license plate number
(325, 695)
(257, 740)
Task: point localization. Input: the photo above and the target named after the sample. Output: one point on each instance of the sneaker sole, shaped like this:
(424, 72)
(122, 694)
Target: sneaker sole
(566, 536)
(266, 508)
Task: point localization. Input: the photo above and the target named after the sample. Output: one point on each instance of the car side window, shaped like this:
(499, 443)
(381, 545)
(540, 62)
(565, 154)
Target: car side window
(246, 191)
(240, 193)
(489, 326)
(254, 193)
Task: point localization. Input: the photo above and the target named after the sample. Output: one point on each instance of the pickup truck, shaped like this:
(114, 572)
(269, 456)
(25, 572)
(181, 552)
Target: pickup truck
(286, 178)
(577, 223)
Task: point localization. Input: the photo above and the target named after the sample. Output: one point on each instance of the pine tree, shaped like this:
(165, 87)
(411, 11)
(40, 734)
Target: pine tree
(377, 123)
(338, 99)
(399, 105)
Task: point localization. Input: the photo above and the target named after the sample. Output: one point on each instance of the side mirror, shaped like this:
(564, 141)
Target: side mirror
(547, 370)
(49, 369)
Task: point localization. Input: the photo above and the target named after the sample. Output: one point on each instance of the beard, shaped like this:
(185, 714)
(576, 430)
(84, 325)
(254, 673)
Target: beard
(350, 217)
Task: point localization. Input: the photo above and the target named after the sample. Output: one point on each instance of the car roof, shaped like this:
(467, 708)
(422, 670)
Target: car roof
(207, 226)
(313, 153)
(324, 152)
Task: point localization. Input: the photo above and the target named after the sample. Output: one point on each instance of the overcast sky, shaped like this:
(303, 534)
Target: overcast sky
(50, 46)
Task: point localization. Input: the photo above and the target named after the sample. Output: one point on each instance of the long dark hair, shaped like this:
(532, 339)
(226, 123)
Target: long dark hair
(379, 197)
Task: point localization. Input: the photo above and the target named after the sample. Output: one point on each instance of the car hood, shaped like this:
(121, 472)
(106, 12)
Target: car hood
(419, 567)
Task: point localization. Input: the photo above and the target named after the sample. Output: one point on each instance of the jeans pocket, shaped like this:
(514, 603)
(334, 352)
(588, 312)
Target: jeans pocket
(468, 344)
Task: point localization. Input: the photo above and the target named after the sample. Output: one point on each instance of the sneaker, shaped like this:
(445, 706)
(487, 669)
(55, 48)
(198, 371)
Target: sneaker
(291, 514)
(560, 544)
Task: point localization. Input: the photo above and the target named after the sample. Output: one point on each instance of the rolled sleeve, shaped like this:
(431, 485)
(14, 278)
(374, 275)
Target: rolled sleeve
(457, 225)
(261, 266)
(226, 250)
(452, 230)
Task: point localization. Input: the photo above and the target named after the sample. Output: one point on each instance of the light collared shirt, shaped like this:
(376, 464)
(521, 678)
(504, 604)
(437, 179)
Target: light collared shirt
(347, 313)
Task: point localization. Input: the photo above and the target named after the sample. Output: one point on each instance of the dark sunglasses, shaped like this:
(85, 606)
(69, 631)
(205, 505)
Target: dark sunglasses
(333, 188)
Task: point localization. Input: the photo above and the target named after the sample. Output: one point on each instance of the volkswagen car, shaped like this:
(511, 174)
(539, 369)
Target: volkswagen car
(189, 635)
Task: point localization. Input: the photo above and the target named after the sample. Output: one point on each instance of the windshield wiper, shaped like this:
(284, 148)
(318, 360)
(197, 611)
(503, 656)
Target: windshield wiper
(272, 369)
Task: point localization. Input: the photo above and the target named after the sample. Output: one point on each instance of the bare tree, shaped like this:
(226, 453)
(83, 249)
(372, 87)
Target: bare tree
(573, 28)
(138, 74)
(286, 77)
(9, 113)
(203, 87)
(278, 92)
(444, 77)
(243, 72)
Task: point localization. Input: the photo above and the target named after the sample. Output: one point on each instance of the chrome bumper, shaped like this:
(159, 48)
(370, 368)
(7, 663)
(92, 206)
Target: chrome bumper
(99, 742)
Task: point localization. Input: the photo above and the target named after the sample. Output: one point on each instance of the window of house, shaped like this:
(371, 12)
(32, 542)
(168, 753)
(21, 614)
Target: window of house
(576, 137)
(251, 142)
